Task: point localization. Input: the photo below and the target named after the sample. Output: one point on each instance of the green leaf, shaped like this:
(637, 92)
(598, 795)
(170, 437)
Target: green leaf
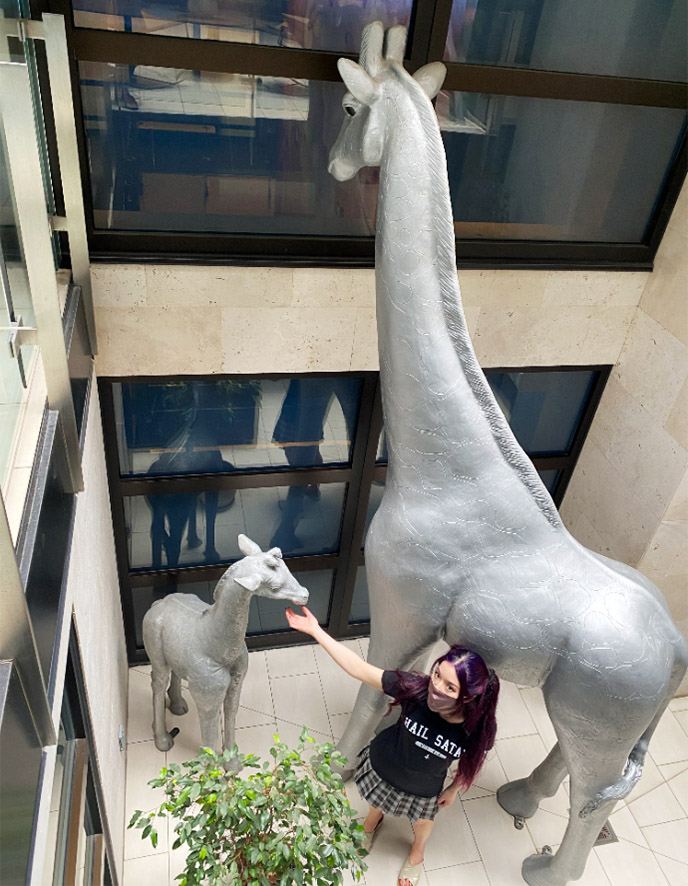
(134, 818)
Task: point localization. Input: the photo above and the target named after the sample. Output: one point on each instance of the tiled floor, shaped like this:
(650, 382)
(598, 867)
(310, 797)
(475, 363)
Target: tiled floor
(474, 843)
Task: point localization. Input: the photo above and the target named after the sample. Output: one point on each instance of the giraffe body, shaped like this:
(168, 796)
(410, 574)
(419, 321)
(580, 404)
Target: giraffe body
(467, 545)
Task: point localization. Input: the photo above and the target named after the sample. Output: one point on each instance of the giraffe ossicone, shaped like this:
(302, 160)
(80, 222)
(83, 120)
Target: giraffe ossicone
(467, 545)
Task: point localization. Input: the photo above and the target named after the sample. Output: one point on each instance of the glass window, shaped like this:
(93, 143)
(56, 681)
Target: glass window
(179, 150)
(549, 478)
(200, 427)
(376, 492)
(546, 169)
(360, 605)
(334, 25)
(543, 408)
(614, 38)
(265, 616)
(197, 529)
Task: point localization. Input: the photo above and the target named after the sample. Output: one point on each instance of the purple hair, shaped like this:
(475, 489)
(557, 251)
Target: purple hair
(476, 702)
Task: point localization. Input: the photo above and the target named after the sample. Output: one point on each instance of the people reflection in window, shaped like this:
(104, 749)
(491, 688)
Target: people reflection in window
(300, 429)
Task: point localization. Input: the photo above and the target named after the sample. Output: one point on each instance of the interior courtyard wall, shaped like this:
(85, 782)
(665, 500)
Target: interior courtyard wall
(93, 589)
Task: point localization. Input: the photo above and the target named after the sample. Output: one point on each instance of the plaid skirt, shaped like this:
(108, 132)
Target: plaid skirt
(391, 800)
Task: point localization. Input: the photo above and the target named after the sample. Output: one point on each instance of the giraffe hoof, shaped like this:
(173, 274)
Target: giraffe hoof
(516, 798)
(179, 707)
(537, 871)
(165, 741)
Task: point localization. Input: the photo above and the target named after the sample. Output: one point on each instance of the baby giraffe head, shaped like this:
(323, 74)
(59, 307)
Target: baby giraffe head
(379, 71)
(265, 573)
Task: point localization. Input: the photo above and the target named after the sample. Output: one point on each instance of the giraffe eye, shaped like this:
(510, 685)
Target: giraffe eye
(351, 111)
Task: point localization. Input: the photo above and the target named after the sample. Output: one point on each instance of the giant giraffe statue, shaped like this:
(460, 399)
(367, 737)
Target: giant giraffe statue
(467, 545)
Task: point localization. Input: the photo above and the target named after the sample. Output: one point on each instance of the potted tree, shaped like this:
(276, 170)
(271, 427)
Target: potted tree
(288, 822)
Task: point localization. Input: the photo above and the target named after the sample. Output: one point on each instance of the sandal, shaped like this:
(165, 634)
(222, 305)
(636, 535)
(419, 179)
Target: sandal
(368, 841)
(410, 872)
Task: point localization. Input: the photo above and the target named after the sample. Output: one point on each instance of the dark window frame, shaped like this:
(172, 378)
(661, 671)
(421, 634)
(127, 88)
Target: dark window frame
(358, 477)
(427, 37)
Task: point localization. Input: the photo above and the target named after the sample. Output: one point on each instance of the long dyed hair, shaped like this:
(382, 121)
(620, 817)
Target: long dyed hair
(476, 703)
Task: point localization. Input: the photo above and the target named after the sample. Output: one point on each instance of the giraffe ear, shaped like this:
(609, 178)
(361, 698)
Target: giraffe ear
(430, 78)
(249, 582)
(360, 84)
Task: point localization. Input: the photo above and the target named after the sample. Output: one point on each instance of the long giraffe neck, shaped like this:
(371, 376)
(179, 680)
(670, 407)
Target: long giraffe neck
(440, 415)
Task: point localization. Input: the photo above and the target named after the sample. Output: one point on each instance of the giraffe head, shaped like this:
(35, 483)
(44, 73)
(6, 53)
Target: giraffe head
(361, 139)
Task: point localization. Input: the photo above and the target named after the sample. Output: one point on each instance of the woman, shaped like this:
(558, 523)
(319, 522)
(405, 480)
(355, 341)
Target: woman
(445, 716)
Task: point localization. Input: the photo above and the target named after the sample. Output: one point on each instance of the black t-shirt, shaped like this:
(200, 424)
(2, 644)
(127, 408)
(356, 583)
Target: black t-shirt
(414, 754)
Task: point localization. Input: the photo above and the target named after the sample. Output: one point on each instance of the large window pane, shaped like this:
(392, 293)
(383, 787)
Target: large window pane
(178, 150)
(265, 615)
(616, 38)
(303, 24)
(199, 427)
(545, 169)
(191, 529)
(543, 408)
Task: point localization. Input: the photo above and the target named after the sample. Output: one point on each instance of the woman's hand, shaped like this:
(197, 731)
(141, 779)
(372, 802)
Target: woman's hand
(307, 623)
(448, 796)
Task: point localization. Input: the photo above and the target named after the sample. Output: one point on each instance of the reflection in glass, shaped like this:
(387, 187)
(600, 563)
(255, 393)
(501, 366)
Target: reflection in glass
(614, 38)
(360, 606)
(179, 150)
(377, 490)
(196, 529)
(545, 169)
(199, 427)
(265, 615)
(334, 25)
(549, 478)
(543, 408)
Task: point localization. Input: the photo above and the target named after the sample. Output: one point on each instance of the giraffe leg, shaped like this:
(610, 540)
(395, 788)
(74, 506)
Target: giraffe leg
(160, 676)
(231, 704)
(178, 705)
(397, 649)
(597, 729)
(521, 797)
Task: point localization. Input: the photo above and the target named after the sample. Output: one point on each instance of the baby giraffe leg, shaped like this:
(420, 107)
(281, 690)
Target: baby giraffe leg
(159, 678)
(178, 705)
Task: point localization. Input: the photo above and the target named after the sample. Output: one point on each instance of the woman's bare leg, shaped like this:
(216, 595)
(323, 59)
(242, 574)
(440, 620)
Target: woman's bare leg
(421, 832)
(373, 820)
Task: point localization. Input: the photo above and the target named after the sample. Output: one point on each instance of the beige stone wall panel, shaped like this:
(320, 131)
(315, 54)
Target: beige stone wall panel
(159, 340)
(224, 287)
(328, 287)
(279, 340)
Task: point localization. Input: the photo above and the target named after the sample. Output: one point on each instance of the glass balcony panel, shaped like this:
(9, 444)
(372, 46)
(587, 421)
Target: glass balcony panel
(190, 529)
(645, 40)
(545, 169)
(15, 303)
(297, 24)
(200, 427)
(543, 408)
(178, 150)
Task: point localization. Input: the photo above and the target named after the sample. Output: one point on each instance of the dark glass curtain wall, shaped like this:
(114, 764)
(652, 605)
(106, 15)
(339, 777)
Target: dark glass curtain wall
(205, 126)
(295, 462)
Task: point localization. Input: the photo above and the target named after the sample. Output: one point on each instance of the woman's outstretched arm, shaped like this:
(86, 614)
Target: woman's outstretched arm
(346, 659)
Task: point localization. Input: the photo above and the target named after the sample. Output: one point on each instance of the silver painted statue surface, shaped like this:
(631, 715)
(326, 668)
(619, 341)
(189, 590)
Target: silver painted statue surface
(467, 543)
(188, 639)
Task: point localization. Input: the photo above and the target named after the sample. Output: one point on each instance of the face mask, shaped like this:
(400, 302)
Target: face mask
(440, 702)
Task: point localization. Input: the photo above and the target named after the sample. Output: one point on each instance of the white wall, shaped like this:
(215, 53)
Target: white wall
(93, 592)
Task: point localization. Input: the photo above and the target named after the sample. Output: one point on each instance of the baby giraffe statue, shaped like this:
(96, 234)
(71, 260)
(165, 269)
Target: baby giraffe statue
(186, 638)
